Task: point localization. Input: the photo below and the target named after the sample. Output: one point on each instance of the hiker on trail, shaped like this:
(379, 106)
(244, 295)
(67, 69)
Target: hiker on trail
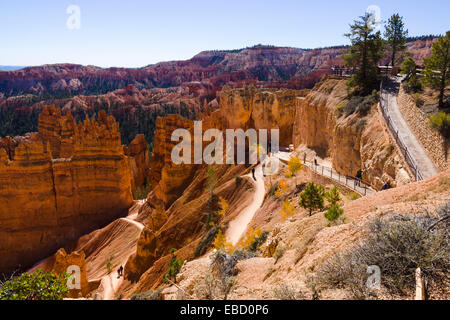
(304, 157)
(358, 177)
(253, 173)
(315, 162)
(120, 272)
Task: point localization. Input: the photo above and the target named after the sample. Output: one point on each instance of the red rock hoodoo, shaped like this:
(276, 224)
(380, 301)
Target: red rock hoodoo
(58, 184)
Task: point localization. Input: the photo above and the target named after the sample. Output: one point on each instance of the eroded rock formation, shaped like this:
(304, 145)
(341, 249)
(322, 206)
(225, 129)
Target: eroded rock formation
(139, 162)
(58, 184)
(353, 142)
(260, 109)
(73, 262)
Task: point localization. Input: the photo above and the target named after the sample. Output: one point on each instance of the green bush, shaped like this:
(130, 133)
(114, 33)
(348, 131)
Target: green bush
(174, 267)
(418, 101)
(35, 286)
(353, 196)
(413, 85)
(333, 213)
(360, 104)
(441, 122)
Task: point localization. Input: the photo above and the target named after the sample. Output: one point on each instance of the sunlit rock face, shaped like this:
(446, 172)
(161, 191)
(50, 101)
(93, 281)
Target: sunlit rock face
(250, 107)
(58, 184)
(352, 142)
(137, 151)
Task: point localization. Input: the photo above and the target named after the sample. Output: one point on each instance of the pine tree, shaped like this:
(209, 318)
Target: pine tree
(333, 197)
(409, 68)
(174, 267)
(395, 35)
(312, 198)
(366, 51)
(437, 67)
(333, 213)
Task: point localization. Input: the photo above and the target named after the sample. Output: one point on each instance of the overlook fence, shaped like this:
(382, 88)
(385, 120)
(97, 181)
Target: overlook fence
(394, 130)
(353, 183)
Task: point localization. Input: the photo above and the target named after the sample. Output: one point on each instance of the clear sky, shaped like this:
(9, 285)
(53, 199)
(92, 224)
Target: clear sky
(135, 33)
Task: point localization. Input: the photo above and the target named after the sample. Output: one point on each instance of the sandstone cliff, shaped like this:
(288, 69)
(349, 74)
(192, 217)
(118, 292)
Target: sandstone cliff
(137, 151)
(354, 142)
(58, 184)
(180, 191)
(260, 109)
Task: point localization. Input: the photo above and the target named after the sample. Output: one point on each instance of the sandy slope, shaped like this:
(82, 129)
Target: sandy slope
(115, 243)
(111, 282)
(238, 226)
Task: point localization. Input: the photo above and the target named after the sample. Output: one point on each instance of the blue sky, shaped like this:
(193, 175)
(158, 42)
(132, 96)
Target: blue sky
(136, 33)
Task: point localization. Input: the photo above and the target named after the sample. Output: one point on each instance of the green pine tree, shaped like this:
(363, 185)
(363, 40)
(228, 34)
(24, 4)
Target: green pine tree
(333, 197)
(395, 35)
(333, 213)
(365, 52)
(437, 67)
(174, 266)
(312, 198)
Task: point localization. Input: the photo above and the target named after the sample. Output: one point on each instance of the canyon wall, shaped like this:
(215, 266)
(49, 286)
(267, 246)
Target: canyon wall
(353, 142)
(139, 156)
(260, 109)
(58, 184)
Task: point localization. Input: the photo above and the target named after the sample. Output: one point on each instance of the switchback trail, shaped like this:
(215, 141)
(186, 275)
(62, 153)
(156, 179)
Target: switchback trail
(238, 226)
(415, 149)
(111, 282)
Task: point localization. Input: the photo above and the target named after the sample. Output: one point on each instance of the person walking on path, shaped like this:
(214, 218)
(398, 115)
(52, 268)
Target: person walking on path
(253, 173)
(358, 177)
(120, 272)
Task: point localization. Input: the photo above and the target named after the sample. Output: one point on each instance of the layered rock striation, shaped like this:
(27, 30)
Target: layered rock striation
(250, 107)
(58, 184)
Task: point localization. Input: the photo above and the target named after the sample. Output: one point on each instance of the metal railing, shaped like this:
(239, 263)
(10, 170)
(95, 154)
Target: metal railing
(353, 183)
(403, 148)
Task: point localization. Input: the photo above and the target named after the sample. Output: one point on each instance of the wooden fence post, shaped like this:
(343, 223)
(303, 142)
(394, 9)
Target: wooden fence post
(420, 285)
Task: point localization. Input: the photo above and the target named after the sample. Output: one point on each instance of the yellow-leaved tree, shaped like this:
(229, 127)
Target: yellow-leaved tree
(221, 243)
(250, 237)
(287, 209)
(294, 166)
